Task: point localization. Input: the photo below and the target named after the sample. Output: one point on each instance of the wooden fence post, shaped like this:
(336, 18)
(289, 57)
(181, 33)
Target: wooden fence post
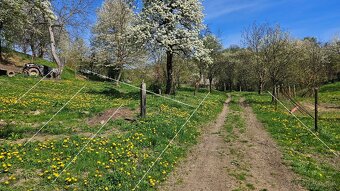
(143, 100)
(316, 109)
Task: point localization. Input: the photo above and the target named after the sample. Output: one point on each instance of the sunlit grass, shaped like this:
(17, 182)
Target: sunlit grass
(308, 157)
(112, 161)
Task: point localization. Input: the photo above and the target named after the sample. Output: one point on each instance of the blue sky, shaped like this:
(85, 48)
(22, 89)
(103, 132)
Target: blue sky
(228, 18)
(318, 18)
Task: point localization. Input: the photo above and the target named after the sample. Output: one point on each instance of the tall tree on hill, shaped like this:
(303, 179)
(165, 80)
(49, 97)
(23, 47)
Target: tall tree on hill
(50, 18)
(173, 26)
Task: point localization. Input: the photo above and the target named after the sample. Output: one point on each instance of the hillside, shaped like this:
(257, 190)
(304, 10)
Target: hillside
(18, 60)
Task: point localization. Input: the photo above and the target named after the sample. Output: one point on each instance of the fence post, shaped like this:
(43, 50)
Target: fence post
(143, 100)
(316, 109)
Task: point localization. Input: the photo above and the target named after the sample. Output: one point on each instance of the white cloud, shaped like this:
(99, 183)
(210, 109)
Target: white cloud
(218, 8)
(224, 10)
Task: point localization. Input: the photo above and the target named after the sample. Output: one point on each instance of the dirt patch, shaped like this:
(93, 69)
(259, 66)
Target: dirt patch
(321, 107)
(44, 138)
(252, 161)
(204, 169)
(261, 158)
(40, 138)
(123, 113)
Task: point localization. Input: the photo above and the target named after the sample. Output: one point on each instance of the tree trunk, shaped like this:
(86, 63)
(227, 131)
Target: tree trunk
(169, 70)
(260, 87)
(120, 71)
(274, 94)
(41, 51)
(1, 27)
(197, 85)
(210, 85)
(33, 50)
(0, 49)
(54, 52)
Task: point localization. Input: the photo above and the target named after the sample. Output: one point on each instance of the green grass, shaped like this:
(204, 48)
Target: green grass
(328, 94)
(112, 161)
(234, 119)
(235, 126)
(307, 156)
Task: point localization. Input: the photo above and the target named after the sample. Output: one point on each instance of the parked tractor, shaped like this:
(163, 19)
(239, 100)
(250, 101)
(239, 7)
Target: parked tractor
(29, 69)
(32, 69)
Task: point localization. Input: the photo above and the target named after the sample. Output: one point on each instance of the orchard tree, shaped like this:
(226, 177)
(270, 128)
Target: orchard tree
(253, 39)
(278, 54)
(12, 20)
(213, 44)
(173, 26)
(312, 62)
(113, 36)
(333, 66)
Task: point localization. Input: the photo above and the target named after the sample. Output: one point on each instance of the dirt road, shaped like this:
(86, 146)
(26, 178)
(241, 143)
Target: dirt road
(251, 161)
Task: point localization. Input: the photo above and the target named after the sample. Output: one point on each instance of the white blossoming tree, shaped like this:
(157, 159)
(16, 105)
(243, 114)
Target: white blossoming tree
(173, 26)
(12, 19)
(113, 39)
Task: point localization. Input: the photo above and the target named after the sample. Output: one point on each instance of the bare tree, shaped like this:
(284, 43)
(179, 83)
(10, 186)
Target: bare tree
(278, 54)
(253, 39)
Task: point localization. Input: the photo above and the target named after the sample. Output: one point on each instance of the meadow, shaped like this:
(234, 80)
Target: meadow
(116, 159)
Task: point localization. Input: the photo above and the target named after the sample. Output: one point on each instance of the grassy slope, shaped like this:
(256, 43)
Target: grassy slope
(317, 166)
(19, 59)
(115, 162)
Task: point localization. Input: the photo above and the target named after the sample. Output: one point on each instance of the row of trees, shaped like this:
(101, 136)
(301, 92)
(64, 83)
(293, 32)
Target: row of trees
(169, 36)
(271, 57)
(166, 43)
(124, 37)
